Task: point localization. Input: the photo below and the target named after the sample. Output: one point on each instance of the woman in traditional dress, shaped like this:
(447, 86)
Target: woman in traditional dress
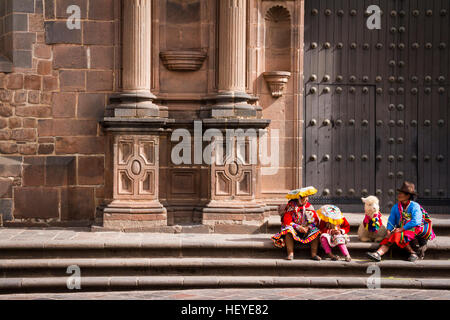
(299, 222)
(407, 221)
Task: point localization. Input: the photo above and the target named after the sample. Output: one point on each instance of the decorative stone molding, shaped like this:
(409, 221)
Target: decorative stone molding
(186, 60)
(132, 173)
(277, 81)
(234, 178)
(135, 167)
(278, 14)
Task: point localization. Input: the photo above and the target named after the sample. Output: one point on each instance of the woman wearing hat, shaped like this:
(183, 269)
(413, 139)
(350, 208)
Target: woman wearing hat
(299, 223)
(407, 221)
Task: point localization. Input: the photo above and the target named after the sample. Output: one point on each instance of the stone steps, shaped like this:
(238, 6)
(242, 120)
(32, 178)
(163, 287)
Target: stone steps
(441, 223)
(119, 267)
(59, 284)
(225, 246)
(37, 261)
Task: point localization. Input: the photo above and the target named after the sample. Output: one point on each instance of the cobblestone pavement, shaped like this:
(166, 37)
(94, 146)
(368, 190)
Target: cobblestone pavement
(244, 294)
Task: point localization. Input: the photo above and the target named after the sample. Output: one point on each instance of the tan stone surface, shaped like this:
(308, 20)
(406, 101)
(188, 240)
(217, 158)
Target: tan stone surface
(53, 108)
(136, 47)
(232, 45)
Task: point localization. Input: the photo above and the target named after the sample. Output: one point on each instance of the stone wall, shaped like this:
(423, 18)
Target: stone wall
(55, 158)
(51, 146)
(276, 45)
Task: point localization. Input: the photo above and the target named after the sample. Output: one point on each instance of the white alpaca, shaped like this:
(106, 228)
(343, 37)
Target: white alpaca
(368, 229)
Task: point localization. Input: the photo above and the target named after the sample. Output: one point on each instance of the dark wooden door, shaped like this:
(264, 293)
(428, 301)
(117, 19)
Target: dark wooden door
(376, 101)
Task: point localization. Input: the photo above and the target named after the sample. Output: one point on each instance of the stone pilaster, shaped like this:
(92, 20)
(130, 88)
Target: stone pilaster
(233, 205)
(134, 125)
(132, 176)
(137, 60)
(235, 177)
(232, 99)
(232, 46)
(136, 98)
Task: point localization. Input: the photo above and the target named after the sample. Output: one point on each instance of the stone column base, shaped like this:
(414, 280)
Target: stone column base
(231, 105)
(134, 215)
(235, 216)
(134, 104)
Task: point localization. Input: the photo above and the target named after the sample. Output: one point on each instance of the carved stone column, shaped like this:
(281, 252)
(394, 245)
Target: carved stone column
(233, 205)
(133, 126)
(232, 100)
(136, 98)
(232, 46)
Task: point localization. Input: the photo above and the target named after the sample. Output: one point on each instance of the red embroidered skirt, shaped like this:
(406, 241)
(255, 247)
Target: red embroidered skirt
(401, 239)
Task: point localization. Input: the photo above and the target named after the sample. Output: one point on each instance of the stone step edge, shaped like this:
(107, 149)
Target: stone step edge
(105, 283)
(11, 264)
(356, 220)
(260, 242)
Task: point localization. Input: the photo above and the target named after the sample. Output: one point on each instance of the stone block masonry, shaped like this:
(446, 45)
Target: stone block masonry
(89, 104)
(52, 150)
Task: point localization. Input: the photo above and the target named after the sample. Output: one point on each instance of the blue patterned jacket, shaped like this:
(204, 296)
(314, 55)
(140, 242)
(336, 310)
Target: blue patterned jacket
(414, 213)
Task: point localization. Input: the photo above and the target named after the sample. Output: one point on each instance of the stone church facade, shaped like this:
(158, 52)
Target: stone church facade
(88, 113)
(108, 109)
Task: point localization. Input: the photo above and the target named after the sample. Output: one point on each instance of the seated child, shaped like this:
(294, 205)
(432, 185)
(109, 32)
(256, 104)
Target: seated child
(334, 234)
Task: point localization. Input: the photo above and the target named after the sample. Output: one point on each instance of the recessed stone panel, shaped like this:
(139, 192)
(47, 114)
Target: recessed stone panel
(36, 202)
(183, 183)
(244, 186)
(223, 184)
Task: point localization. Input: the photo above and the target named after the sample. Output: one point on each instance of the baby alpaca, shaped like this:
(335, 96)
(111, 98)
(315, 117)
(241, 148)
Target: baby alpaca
(373, 227)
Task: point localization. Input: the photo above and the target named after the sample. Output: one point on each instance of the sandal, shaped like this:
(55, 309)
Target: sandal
(316, 258)
(374, 256)
(348, 258)
(333, 257)
(290, 257)
(413, 257)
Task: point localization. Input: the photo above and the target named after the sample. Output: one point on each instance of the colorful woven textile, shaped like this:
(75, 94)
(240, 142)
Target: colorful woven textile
(303, 192)
(372, 224)
(296, 216)
(278, 239)
(401, 239)
(331, 214)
